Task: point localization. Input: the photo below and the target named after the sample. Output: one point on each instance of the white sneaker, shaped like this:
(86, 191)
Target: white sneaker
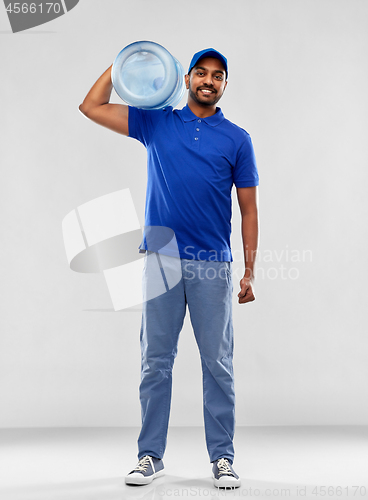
(147, 469)
(224, 475)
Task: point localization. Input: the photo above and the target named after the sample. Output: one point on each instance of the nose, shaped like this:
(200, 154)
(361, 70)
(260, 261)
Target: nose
(208, 79)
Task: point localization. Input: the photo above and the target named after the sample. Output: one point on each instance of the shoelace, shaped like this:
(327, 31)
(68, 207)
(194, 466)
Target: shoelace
(224, 467)
(143, 464)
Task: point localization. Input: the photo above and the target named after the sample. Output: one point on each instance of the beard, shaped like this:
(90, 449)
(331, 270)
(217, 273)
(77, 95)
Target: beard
(204, 101)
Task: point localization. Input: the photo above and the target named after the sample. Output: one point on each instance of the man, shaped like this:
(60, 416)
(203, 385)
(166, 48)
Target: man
(195, 156)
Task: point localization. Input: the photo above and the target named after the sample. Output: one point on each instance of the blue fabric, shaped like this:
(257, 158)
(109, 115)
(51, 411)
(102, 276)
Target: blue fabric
(158, 465)
(192, 164)
(208, 53)
(206, 287)
(216, 471)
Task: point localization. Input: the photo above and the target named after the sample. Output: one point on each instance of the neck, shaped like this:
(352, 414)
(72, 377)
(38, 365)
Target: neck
(199, 110)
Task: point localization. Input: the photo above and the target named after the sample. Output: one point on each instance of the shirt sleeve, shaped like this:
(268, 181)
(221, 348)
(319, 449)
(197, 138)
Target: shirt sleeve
(143, 123)
(245, 172)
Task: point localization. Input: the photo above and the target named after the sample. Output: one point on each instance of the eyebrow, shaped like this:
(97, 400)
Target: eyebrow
(216, 70)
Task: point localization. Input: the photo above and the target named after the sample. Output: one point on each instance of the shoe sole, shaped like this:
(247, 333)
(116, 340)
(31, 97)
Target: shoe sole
(139, 479)
(226, 483)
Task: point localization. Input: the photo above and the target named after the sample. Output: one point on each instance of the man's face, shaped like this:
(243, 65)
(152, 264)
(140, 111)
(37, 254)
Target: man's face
(207, 81)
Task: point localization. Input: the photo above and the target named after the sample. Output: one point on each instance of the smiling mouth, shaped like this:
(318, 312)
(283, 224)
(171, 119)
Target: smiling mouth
(206, 91)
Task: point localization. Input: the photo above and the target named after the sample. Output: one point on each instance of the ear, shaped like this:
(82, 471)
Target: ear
(187, 78)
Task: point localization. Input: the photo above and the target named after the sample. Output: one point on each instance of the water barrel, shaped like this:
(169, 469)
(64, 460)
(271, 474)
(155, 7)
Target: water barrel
(147, 76)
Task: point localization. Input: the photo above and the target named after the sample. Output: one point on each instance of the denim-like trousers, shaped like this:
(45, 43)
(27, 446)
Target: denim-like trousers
(206, 287)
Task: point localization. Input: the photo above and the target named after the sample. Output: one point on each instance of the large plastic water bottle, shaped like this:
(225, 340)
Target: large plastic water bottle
(147, 76)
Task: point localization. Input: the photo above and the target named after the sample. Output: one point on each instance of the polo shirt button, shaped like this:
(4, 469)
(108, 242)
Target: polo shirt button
(197, 129)
(199, 121)
(196, 138)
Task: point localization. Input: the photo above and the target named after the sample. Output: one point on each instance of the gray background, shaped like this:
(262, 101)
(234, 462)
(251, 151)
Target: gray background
(298, 85)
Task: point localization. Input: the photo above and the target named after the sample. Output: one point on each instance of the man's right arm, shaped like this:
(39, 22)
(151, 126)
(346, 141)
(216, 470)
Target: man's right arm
(97, 108)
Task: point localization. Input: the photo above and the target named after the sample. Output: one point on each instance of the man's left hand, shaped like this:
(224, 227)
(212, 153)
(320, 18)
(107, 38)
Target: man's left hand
(246, 293)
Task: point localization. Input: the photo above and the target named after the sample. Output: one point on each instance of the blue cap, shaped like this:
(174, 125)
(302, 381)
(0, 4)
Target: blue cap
(208, 53)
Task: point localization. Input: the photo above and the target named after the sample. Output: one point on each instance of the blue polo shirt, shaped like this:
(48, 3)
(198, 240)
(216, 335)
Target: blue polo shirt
(192, 164)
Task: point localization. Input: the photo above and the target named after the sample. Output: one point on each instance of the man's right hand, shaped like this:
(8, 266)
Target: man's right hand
(97, 108)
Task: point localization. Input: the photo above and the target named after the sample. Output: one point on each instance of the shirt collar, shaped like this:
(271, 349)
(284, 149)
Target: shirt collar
(187, 115)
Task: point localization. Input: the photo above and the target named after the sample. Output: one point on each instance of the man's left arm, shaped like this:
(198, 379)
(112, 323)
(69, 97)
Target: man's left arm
(247, 198)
